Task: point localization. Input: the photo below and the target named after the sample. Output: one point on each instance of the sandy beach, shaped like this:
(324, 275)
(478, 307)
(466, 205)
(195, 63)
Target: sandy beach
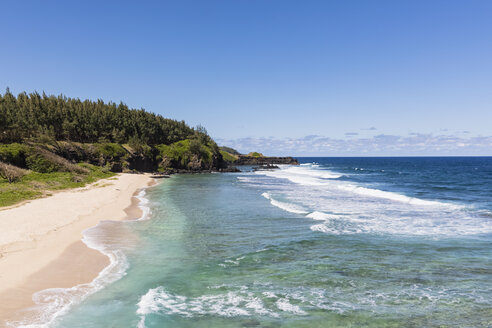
(40, 241)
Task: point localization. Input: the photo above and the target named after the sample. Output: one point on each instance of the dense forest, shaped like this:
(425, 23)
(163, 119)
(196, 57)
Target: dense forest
(29, 116)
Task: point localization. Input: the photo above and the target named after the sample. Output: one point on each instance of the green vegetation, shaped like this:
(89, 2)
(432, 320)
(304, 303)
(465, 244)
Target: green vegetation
(38, 157)
(111, 150)
(54, 142)
(34, 184)
(188, 154)
(14, 154)
(230, 150)
(34, 116)
(255, 154)
(228, 157)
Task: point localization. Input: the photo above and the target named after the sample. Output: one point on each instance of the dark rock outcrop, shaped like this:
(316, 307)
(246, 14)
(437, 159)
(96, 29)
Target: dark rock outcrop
(141, 163)
(266, 167)
(250, 160)
(229, 169)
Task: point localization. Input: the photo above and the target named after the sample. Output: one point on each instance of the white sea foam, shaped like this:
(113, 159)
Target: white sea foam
(324, 174)
(394, 196)
(360, 209)
(306, 175)
(320, 216)
(266, 299)
(143, 205)
(53, 303)
(229, 304)
(285, 206)
(313, 164)
(302, 175)
(336, 229)
(324, 228)
(284, 305)
(404, 226)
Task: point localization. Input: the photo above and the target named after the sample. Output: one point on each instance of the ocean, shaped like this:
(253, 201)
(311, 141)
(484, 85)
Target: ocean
(333, 242)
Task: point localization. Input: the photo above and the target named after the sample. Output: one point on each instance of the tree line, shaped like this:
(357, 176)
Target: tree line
(31, 116)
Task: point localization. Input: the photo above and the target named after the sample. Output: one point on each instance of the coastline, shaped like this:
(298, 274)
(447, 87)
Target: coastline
(44, 243)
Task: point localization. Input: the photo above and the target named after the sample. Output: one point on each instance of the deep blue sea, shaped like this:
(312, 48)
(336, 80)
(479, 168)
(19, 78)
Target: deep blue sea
(333, 242)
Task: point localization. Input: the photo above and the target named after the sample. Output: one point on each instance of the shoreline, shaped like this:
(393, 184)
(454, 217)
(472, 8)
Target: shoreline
(43, 243)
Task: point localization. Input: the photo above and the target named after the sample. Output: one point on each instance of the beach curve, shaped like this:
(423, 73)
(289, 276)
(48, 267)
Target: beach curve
(41, 243)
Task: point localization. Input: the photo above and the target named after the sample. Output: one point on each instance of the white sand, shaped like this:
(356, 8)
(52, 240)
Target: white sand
(39, 240)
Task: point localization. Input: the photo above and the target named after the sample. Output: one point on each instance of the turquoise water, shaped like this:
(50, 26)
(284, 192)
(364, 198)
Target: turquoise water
(331, 243)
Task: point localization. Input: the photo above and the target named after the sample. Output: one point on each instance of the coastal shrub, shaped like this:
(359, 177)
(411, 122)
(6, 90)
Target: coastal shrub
(39, 163)
(10, 172)
(14, 154)
(111, 151)
(201, 151)
(72, 151)
(195, 147)
(177, 154)
(206, 154)
(187, 154)
(44, 161)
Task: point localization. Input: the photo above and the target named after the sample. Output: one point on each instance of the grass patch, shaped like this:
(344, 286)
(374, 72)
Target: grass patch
(230, 150)
(255, 154)
(35, 184)
(228, 157)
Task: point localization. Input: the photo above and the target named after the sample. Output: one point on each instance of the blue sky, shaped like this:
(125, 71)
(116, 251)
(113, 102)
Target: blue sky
(282, 77)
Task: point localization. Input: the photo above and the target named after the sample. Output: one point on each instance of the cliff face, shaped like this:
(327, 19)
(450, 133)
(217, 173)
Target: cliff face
(251, 160)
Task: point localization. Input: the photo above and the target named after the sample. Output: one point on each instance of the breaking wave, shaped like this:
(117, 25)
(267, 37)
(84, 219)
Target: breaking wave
(347, 208)
(283, 205)
(267, 300)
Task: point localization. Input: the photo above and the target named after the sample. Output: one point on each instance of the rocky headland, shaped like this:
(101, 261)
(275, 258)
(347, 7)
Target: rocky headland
(265, 160)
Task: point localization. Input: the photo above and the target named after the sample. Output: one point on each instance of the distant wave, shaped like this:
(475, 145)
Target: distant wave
(434, 225)
(285, 206)
(323, 178)
(358, 210)
(302, 175)
(394, 196)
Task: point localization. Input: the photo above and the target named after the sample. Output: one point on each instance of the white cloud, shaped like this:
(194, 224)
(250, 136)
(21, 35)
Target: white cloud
(416, 144)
